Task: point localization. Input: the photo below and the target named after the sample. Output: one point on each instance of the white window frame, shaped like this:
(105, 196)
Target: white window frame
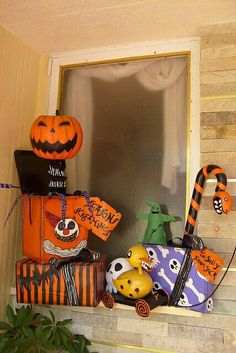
(135, 50)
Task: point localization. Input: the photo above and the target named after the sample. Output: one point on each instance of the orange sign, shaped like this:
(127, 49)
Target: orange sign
(207, 263)
(96, 215)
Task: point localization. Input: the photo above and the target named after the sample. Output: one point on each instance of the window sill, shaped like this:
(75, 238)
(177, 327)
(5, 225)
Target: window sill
(221, 307)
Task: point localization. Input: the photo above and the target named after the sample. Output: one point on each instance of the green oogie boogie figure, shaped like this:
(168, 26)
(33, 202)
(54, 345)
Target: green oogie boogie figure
(154, 233)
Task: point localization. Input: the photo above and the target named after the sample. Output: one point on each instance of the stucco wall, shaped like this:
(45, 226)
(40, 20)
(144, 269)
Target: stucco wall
(23, 87)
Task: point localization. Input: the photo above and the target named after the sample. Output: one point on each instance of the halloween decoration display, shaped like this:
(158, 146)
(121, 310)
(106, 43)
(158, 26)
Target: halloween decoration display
(56, 137)
(8, 186)
(167, 271)
(97, 216)
(114, 270)
(222, 202)
(142, 306)
(59, 268)
(45, 284)
(57, 177)
(55, 227)
(207, 262)
(134, 283)
(134, 286)
(136, 255)
(39, 175)
(48, 230)
(187, 273)
(155, 233)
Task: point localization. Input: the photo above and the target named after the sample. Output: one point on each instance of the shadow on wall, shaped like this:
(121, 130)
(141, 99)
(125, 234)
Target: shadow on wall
(127, 150)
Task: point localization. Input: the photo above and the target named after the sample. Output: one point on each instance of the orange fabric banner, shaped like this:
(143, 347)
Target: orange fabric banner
(99, 217)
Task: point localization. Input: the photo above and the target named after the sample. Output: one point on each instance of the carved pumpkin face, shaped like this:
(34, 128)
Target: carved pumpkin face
(56, 137)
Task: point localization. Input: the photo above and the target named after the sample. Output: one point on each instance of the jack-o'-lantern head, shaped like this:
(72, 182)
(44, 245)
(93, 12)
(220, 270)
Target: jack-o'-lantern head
(56, 137)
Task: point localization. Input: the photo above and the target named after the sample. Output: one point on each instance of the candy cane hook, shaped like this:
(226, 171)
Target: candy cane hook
(222, 202)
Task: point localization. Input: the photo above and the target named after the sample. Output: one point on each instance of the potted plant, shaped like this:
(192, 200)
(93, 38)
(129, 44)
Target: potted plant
(28, 332)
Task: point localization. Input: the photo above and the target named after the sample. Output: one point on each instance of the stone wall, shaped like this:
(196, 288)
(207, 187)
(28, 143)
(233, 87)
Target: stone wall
(218, 144)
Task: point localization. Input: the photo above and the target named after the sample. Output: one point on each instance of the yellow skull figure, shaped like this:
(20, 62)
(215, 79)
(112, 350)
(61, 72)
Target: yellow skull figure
(135, 283)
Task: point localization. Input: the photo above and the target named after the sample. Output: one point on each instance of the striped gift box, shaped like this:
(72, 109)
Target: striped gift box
(42, 284)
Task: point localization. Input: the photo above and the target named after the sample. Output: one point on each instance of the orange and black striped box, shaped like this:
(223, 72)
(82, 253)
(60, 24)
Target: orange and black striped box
(42, 284)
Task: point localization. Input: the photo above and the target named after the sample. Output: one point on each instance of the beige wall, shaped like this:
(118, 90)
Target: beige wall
(23, 87)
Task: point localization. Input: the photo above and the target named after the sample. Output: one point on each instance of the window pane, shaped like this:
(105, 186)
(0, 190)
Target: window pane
(134, 118)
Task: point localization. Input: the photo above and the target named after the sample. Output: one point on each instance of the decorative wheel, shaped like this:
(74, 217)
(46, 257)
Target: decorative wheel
(142, 308)
(108, 300)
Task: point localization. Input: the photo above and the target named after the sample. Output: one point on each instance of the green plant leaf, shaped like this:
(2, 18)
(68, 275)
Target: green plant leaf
(28, 332)
(10, 346)
(8, 349)
(39, 332)
(46, 321)
(4, 326)
(24, 317)
(82, 344)
(50, 346)
(10, 333)
(88, 343)
(46, 335)
(24, 346)
(64, 339)
(81, 339)
(65, 330)
(57, 339)
(53, 316)
(78, 337)
(73, 347)
(10, 315)
(80, 348)
(28, 309)
(64, 322)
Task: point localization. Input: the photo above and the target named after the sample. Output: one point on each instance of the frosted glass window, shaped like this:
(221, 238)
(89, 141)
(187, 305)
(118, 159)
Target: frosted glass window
(134, 119)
